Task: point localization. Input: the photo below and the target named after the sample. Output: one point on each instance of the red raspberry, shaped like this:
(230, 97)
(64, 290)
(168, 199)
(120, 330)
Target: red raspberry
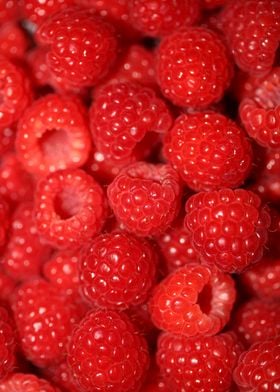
(4, 221)
(162, 17)
(53, 135)
(209, 151)
(121, 116)
(193, 301)
(117, 271)
(70, 208)
(15, 92)
(37, 11)
(258, 368)
(9, 10)
(60, 375)
(13, 41)
(7, 286)
(7, 344)
(252, 30)
(228, 228)
(154, 381)
(7, 139)
(209, 4)
(193, 67)
(38, 68)
(83, 46)
(257, 321)
(145, 197)
(202, 363)
(260, 114)
(18, 382)
(106, 353)
(45, 319)
(263, 279)
(25, 252)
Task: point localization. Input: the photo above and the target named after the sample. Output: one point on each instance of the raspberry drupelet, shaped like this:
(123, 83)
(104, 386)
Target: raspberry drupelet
(7, 344)
(145, 197)
(193, 67)
(19, 382)
(228, 228)
(209, 151)
(106, 353)
(192, 301)
(36, 11)
(70, 208)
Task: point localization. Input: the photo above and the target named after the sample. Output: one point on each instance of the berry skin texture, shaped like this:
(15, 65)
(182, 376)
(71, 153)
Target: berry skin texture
(106, 353)
(121, 116)
(45, 319)
(162, 17)
(118, 270)
(7, 286)
(145, 197)
(193, 301)
(53, 135)
(9, 11)
(252, 31)
(13, 41)
(70, 208)
(83, 46)
(18, 382)
(36, 11)
(196, 364)
(228, 228)
(4, 222)
(210, 4)
(193, 67)
(257, 321)
(258, 368)
(7, 344)
(209, 151)
(15, 90)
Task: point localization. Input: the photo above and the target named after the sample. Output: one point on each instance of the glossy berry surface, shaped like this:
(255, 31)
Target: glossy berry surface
(7, 344)
(228, 228)
(13, 41)
(19, 382)
(37, 11)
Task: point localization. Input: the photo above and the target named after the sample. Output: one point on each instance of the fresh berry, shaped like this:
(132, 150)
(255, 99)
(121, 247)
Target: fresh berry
(13, 41)
(9, 10)
(121, 116)
(19, 382)
(228, 228)
(193, 301)
(106, 353)
(15, 92)
(60, 375)
(7, 344)
(45, 319)
(193, 67)
(4, 221)
(203, 363)
(209, 151)
(118, 270)
(257, 321)
(53, 135)
(154, 381)
(258, 368)
(82, 46)
(25, 251)
(7, 139)
(38, 68)
(252, 30)
(210, 4)
(145, 197)
(37, 11)
(70, 207)
(7, 286)
(162, 17)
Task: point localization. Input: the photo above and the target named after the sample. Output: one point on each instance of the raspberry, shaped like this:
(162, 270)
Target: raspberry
(7, 139)
(118, 270)
(145, 197)
(83, 46)
(106, 353)
(45, 319)
(209, 4)
(25, 252)
(258, 368)
(252, 30)
(202, 363)
(154, 381)
(53, 135)
(263, 279)
(7, 344)
(13, 41)
(257, 321)
(69, 208)
(121, 116)
(37, 11)
(60, 375)
(193, 301)
(209, 151)
(162, 17)
(18, 382)
(193, 67)
(37, 62)
(15, 92)
(260, 114)
(7, 286)
(9, 10)
(228, 228)
(4, 221)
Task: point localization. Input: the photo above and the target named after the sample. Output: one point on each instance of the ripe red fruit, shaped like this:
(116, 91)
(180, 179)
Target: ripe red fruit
(193, 301)
(228, 228)
(13, 41)
(82, 46)
(145, 197)
(18, 382)
(193, 67)
(106, 353)
(7, 344)
(209, 4)
(60, 375)
(70, 208)
(36, 11)
(7, 286)
(9, 10)
(7, 139)
(209, 151)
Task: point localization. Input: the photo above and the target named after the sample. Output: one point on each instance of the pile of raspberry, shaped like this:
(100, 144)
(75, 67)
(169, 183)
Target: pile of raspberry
(139, 195)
